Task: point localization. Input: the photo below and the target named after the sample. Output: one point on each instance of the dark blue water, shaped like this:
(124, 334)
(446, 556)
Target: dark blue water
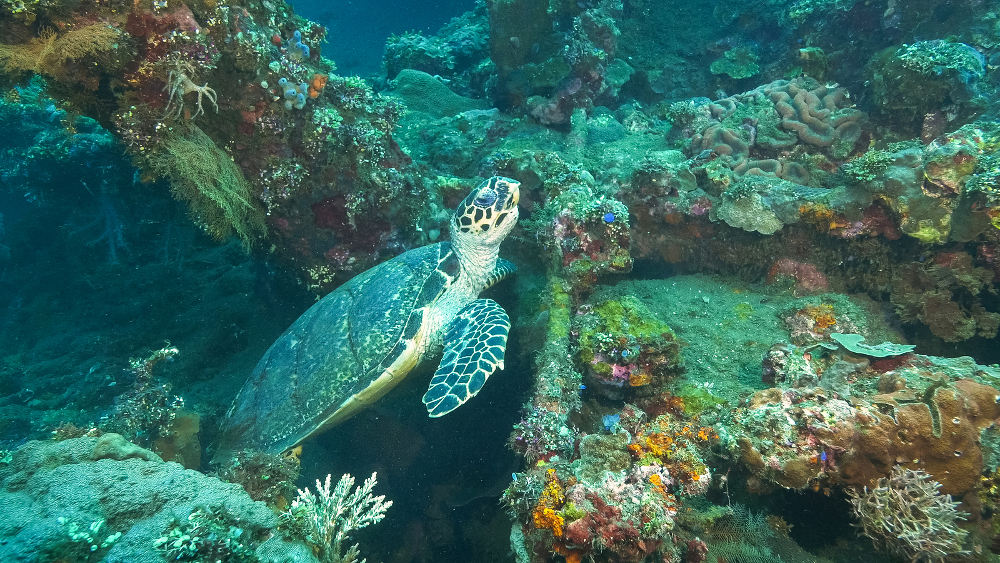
(357, 30)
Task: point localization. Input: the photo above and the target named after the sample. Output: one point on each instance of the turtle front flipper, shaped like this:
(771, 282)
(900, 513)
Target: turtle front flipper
(474, 345)
(503, 269)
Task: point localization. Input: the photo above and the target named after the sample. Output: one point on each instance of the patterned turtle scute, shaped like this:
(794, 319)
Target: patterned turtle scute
(336, 349)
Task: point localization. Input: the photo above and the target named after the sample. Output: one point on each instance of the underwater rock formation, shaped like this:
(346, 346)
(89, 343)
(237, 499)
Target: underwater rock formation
(121, 501)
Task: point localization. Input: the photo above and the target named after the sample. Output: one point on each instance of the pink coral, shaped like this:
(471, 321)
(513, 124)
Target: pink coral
(808, 278)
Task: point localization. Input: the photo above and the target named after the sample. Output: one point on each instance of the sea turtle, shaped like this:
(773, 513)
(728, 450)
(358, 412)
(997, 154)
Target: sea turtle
(362, 339)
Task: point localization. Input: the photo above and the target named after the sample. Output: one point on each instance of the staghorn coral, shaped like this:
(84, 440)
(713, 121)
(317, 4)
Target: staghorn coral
(906, 514)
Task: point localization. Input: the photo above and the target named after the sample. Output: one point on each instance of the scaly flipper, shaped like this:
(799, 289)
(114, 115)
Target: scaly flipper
(474, 348)
(503, 269)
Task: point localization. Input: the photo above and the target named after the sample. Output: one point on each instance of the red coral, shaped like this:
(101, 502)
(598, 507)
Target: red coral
(874, 221)
(696, 552)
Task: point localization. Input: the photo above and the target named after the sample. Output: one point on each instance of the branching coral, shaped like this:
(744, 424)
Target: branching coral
(906, 514)
(325, 518)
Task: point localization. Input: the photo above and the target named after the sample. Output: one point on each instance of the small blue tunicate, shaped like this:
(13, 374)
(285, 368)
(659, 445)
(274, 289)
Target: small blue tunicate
(297, 35)
(301, 98)
(303, 87)
(513, 476)
(625, 353)
(282, 82)
(611, 421)
(583, 387)
(609, 217)
(305, 49)
(822, 456)
(290, 93)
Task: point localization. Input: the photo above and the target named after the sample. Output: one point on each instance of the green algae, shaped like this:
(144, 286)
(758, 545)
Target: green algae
(725, 327)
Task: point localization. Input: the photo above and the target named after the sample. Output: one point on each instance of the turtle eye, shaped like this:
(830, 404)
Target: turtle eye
(486, 198)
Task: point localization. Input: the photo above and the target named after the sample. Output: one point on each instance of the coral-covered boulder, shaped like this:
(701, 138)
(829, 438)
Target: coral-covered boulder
(624, 350)
(104, 497)
(864, 417)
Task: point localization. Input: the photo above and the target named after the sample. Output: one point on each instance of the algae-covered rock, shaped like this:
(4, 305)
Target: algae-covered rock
(623, 347)
(426, 94)
(926, 76)
(120, 499)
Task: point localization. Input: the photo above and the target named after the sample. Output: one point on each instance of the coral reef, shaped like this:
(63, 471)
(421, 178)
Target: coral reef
(843, 419)
(726, 210)
(946, 295)
(277, 133)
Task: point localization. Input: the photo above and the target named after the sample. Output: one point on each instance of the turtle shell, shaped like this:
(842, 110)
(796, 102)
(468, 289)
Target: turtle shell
(333, 360)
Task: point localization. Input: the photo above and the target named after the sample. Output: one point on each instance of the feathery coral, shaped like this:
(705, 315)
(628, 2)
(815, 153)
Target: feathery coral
(328, 516)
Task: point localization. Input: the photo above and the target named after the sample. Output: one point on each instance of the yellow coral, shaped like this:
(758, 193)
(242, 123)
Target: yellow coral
(821, 315)
(51, 53)
(552, 498)
(546, 518)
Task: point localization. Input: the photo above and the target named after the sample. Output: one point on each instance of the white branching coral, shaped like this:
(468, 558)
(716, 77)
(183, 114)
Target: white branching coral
(327, 517)
(906, 514)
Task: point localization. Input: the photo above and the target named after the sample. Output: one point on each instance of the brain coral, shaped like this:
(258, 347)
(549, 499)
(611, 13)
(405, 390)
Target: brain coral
(755, 130)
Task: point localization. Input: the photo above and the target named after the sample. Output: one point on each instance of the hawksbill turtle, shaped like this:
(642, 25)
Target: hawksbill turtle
(359, 341)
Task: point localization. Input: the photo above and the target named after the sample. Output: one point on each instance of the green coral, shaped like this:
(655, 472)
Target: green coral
(205, 536)
(933, 58)
(925, 76)
(867, 168)
(855, 343)
(738, 63)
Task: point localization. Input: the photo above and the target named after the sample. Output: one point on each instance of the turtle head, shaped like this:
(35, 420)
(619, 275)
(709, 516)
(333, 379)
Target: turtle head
(488, 213)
